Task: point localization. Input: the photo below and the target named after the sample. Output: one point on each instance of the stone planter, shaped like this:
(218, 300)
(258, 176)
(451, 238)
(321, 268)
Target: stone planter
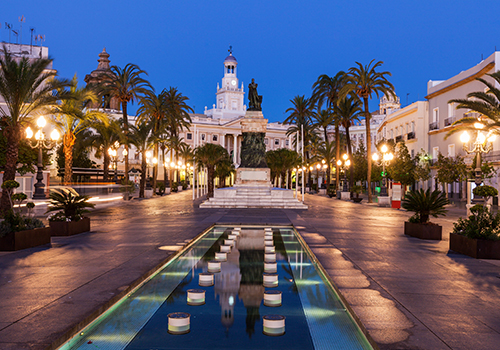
(69, 228)
(475, 248)
(167, 190)
(179, 188)
(25, 239)
(423, 231)
(148, 193)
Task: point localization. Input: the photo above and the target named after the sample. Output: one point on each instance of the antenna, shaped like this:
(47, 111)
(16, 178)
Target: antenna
(17, 36)
(9, 28)
(22, 20)
(32, 31)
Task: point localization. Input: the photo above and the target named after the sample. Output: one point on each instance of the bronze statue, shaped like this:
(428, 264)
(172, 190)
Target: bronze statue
(254, 100)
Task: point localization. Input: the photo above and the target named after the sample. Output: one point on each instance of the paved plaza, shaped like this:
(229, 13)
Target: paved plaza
(408, 293)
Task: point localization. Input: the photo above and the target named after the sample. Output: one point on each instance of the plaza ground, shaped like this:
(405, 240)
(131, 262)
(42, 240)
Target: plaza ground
(408, 293)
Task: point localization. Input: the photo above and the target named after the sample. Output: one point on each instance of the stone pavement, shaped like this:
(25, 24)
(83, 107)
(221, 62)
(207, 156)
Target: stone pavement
(409, 294)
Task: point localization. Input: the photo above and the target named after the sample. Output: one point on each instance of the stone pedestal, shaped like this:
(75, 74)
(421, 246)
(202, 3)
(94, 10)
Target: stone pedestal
(384, 201)
(252, 188)
(345, 196)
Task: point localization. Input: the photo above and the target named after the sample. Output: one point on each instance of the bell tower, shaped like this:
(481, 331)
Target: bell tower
(229, 97)
(102, 73)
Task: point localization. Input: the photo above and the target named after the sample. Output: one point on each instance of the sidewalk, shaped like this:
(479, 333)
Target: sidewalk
(409, 294)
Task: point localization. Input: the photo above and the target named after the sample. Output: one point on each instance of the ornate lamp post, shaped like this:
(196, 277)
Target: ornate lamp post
(386, 159)
(113, 153)
(150, 163)
(41, 142)
(343, 166)
(482, 144)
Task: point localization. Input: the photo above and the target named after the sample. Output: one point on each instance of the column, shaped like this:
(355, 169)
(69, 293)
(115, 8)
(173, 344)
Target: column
(235, 145)
(223, 140)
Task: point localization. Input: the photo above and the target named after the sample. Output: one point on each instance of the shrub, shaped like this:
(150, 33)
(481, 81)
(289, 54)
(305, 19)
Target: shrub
(128, 188)
(68, 205)
(184, 185)
(480, 224)
(175, 187)
(15, 222)
(424, 204)
(161, 188)
(485, 191)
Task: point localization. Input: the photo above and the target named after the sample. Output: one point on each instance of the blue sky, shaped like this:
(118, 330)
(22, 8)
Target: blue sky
(284, 45)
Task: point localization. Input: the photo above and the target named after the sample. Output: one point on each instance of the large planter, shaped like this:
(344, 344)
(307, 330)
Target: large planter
(69, 228)
(179, 188)
(423, 231)
(473, 247)
(25, 239)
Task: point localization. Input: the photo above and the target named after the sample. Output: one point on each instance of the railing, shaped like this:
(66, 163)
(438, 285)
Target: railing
(449, 121)
(433, 126)
(410, 135)
(399, 138)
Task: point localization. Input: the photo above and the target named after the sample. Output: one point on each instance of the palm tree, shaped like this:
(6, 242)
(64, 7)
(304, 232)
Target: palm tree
(364, 81)
(326, 151)
(126, 85)
(326, 90)
(175, 143)
(486, 103)
(209, 156)
(143, 139)
(300, 115)
(349, 110)
(26, 86)
(103, 138)
(177, 111)
(72, 117)
(153, 110)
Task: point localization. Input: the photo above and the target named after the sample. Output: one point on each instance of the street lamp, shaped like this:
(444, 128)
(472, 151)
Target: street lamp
(386, 158)
(113, 153)
(150, 163)
(482, 144)
(41, 142)
(343, 165)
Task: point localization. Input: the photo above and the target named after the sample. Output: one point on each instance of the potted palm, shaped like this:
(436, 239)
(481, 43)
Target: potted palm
(478, 236)
(18, 231)
(357, 189)
(68, 208)
(424, 204)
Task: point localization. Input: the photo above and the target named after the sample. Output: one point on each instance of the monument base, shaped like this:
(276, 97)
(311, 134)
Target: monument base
(252, 189)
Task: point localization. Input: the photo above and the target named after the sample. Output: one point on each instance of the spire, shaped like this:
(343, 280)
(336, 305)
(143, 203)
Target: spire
(103, 60)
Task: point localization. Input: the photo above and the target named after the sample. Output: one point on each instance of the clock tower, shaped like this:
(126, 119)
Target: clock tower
(229, 96)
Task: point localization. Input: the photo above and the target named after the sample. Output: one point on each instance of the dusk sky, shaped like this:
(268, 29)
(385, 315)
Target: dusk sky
(284, 45)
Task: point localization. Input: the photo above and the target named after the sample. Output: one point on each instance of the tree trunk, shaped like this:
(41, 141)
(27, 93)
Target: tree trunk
(68, 143)
(156, 154)
(105, 165)
(368, 149)
(13, 137)
(337, 155)
(210, 181)
(349, 150)
(165, 178)
(125, 132)
(142, 183)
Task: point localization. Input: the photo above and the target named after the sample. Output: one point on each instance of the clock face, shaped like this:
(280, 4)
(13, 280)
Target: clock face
(233, 82)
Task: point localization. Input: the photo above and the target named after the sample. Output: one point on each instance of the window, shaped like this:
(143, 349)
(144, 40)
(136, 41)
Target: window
(412, 153)
(203, 137)
(435, 115)
(266, 141)
(412, 126)
(407, 128)
(435, 153)
(189, 136)
(384, 132)
(215, 138)
(451, 110)
(287, 143)
(451, 150)
(392, 134)
(276, 142)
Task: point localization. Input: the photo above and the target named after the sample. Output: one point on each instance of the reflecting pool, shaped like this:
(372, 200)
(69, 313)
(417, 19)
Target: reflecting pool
(265, 292)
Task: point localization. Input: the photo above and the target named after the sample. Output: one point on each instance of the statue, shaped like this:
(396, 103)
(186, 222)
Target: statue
(254, 100)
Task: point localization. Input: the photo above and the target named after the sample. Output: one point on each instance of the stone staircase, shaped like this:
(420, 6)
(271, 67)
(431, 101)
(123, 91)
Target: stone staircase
(253, 197)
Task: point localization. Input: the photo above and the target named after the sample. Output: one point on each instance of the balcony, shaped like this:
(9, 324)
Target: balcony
(410, 135)
(399, 138)
(449, 121)
(433, 126)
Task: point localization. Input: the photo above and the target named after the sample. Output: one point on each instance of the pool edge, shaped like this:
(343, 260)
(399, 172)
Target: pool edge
(337, 290)
(100, 311)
